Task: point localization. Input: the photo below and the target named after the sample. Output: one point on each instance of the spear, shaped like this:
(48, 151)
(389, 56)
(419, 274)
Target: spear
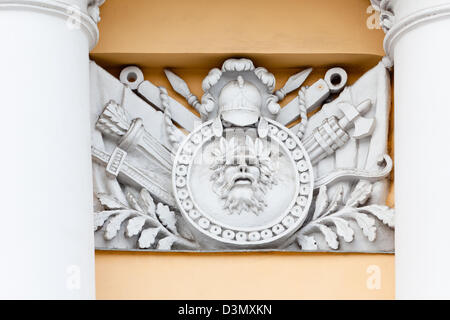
(293, 83)
(181, 87)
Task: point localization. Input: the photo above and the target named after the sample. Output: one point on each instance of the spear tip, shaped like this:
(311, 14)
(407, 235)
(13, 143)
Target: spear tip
(293, 83)
(178, 84)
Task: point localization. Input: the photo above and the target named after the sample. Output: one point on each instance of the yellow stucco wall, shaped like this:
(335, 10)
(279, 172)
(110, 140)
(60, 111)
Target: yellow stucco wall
(192, 36)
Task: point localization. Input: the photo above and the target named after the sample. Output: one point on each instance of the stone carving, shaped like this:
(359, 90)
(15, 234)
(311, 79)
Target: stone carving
(154, 224)
(241, 179)
(337, 213)
(387, 16)
(242, 174)
(229, 199)
(93, 9)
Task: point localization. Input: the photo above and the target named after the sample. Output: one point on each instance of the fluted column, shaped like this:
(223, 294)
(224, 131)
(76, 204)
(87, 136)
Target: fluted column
(46, 241)
(417, 41)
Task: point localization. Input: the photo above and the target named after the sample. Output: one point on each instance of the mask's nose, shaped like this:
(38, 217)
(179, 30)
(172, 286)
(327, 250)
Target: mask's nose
(243, 169)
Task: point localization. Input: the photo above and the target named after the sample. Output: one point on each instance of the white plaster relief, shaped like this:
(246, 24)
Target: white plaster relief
(93, 9)
(387, 16)
(240, 179)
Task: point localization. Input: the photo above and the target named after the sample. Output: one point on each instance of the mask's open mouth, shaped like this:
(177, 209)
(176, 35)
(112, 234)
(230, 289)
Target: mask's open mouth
(243, 180)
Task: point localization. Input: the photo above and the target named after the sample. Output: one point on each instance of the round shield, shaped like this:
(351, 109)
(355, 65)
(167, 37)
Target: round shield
(240, 190)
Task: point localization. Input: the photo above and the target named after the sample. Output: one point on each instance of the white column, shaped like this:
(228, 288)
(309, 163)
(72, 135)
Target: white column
(419, 45)
(46, 237)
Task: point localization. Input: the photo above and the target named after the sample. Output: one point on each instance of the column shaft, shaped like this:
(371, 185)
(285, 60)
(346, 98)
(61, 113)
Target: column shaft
(46, 242)
(422, 156)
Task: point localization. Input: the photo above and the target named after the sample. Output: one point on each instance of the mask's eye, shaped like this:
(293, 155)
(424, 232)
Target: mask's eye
(252, 161)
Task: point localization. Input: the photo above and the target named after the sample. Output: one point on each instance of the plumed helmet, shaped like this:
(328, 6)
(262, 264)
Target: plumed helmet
(240, 102)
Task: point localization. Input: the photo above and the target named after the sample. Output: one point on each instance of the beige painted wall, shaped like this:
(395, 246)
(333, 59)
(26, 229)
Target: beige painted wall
(192, 36)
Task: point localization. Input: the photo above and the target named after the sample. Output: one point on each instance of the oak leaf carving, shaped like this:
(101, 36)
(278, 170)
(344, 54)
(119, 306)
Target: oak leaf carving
(332, 218)
(148, 237)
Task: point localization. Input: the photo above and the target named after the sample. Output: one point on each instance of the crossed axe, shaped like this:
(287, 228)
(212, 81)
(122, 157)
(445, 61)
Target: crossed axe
(353, 116)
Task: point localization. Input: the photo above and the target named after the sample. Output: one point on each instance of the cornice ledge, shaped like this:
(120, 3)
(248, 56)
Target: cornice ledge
(61, 9)
(411, 21)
